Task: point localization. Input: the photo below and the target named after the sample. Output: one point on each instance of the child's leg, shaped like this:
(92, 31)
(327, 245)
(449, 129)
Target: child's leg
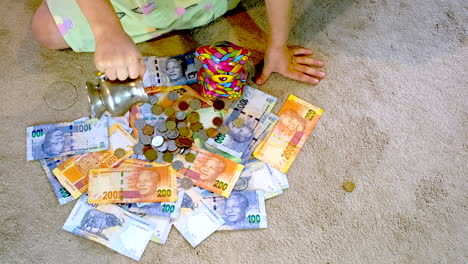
(45, 29)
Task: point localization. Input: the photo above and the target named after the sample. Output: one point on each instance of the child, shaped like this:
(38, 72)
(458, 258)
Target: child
(111, 28)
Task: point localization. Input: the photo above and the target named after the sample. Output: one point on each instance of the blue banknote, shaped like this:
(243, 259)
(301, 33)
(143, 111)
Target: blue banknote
(49, 165)
(70, 138)
(257, 176)
(165, 209)
(242, 210)
(112, 226)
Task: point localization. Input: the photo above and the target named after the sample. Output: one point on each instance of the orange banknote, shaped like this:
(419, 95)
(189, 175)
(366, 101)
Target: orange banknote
(128, 163)
(281, 146)
(132, 185)
(211, 171)
(73, 173)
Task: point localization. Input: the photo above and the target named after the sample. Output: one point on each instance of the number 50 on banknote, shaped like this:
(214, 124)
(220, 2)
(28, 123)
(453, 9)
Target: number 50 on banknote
(297, 120)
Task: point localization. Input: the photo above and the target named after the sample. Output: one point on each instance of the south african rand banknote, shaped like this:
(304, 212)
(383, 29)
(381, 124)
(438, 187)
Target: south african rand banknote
(70, 138)
(211, 171)
(111, 226)
(242, 210)
(165, 209)
(49, 165)
(250, 108)
(197, 220)
(297, 120)
(257, 176)
(267, 123)
(73, 173)
(132, 185)
(280, 177)
(171, 71)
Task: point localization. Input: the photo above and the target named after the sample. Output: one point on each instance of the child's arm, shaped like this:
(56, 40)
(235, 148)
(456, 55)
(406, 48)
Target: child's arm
(116, 54)
(289, 62)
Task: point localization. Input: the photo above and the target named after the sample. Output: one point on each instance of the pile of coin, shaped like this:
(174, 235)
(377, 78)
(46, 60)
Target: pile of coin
(172, 134)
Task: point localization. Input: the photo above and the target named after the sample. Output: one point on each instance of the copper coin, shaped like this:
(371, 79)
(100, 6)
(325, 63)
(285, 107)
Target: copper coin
(186, 142)
(148, 130)
(120, 153)
(146, 148)
(217, 121)
(195, 127)
(184, 131)
(157, 109)
(168, 157)
(218, 104)
(190, 157)
(151, 154)
(183, 106)
(193, 117)
(178, 142)
(169, 111)
(224, 129)
(212, 132)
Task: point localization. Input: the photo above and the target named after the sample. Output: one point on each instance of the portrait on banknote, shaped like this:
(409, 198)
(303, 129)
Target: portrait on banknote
(54, 143)
(170, 71)
(147, 183)
(235, 211)
(209, 169)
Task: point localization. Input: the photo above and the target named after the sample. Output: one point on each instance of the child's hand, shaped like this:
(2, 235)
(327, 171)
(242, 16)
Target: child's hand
(292, 63)
(118, 57)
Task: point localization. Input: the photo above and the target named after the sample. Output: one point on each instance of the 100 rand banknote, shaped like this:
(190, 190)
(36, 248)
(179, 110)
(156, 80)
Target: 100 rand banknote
(73, 173)
(111, 226)
(49, 164)
(69, 138)
(249, 110)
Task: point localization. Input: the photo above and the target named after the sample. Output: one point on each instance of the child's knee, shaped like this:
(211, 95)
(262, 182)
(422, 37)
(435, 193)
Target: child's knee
(45, 30)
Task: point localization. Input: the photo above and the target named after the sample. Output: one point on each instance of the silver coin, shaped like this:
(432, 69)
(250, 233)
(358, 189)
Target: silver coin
(139, 123)
(157, 141)
(162, 127)
(157, 133)
(151, 122)
(173, 96)
(181, 125)
(138, 148)
(195, 104)
(159, 160)
(186, 183)
(177, 165)
(134, 156)
(181, 115)
(242, 183)
(153, 99)
(172, 134)
(163, 147)
(171, 146)
(202, 134)
(145, 140)
(185, 151)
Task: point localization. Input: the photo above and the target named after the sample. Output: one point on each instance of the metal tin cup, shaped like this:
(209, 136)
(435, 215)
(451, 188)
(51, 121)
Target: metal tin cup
(116, 97)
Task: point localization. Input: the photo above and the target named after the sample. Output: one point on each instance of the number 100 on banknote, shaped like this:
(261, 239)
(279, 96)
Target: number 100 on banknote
(297, 120)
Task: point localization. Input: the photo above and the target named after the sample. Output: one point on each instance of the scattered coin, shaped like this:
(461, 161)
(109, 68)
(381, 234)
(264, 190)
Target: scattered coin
(171, 146)
(183, 105)
(151, 154)
(193, 117)
(212, 132)
(159, 159)
(120, 152)
(185, 151)
(162, 127)
(195, 127)
(181, 125)
(178, 142)
(195, 104)
(153, 99)
(139, 123)
(157, 141)
(173, 96)
(186, 142)
(184, 131)
(202, 134)
(218, 104)
(181, 116)
(157, 109)
(172, 134)
(171, 125)
(146, 148)
(186, 183)
(163, 147)
(145, 140)
(177, 165)
(217, 121)
(224, 129)
(169, 111)
(138, 149)
(242, 184)
(190, 157)
(168, 157)
(238, 123)
(349, 186)
(148, 130)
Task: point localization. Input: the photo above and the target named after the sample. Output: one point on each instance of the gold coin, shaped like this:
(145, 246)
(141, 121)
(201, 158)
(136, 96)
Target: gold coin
(148, 130)
(157, 109)
(211, 132)
(184, 131)
(193, 117)
(224, 129)
(171, 125)
(120, 153)
(151, 154)
(349, 186)
(190, 157)
(168, 157)
(238, 123)
(195, 127)
(217, 121)
(169, 111)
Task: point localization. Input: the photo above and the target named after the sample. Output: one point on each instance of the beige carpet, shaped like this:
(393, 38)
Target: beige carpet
(395, 123)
